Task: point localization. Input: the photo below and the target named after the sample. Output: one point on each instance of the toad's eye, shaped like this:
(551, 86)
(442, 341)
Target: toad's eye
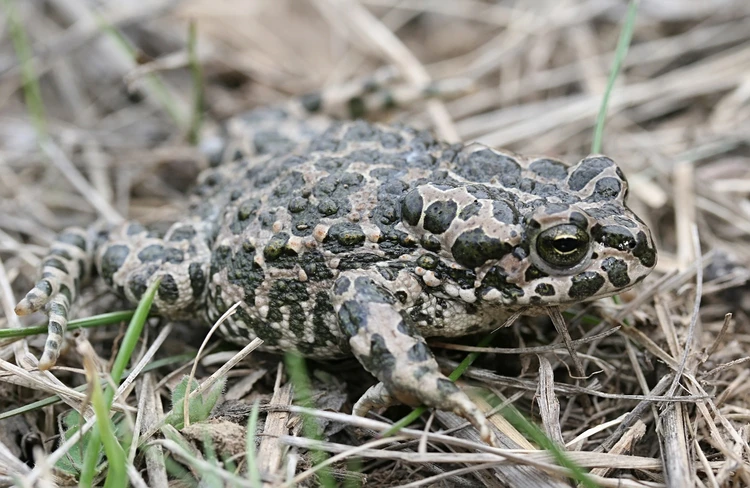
(564, 245)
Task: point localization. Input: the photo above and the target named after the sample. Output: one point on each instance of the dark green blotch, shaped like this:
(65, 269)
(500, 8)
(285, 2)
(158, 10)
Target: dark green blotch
(614, 236)
(617, 272)
(352, 317)
(270, 335)
(446, 386)
(290, 294)
(356, 107)
(393, 186)
(315, 266)
(276, 246)
(604, 211)
(605, 189)
(554, 208)
(341, 285)
(504, 212)
(323, 315)
(168, 290)
(411, 207)
(61, 253)
(380, 358)
(470, 210)
(367, 291)
(137, 285)
(386, 212)
(407, 328)
(439, 216)
(497, 279)
(45, 286)
(55, 263)
(578, 219)
(58, 309)
(55, 328)
(184, 233)
(346, 234)
(197, 279)
(328, 207)
(548, 168)
(64, 290)
(174, 255)
(248, 209)
(585, 285)
(587, 170)
(350, 179)
(464, 278)
(484, 165)
(430, 242)
(428, 261)
(473, 248)
(407, 240)
(545, 289)
(532, 273)
(388, 273)
(297, 204)
(312, 101)
(241, 268)
(154, 252)
(112, 260)
(74, 239)
(643, 250)
(418, 353)
(270, 142)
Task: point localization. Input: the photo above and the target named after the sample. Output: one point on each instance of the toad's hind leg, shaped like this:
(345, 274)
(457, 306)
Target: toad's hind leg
(67, 264)
(385, 341)
(281, 128)
(129, 260)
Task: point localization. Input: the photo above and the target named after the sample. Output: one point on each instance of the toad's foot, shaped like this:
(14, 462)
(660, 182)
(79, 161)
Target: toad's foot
(442, 395)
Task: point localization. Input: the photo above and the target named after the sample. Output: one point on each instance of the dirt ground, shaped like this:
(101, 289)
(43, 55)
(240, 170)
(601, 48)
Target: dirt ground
(665, 399)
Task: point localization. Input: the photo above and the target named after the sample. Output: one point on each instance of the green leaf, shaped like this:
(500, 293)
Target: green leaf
(73, 462)
(252, 467)
(199, 406)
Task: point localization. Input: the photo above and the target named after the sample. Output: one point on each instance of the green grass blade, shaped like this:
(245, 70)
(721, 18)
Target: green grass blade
(252, 466)
(158, 88)
(295, 366)
(116, 475)
(93, 321)
(32, 93)
(123, 357)
(623, 43)
(55, 399)
(537, 435)
(196, 71)
(133, 333)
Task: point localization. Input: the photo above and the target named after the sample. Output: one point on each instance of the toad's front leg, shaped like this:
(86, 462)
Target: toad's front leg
(384, 339)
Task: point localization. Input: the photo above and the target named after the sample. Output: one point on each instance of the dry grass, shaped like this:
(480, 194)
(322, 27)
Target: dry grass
(667, 397)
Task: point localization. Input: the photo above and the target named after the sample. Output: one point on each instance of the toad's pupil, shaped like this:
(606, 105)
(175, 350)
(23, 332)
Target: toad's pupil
(566, 244)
